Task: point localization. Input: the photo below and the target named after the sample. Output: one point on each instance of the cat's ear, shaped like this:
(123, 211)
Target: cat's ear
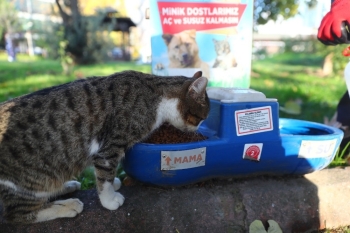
(197, 89)
(198, 74)
(215, 41)
(167, 38)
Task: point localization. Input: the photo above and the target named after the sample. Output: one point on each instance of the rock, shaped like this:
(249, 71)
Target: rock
(296, 203)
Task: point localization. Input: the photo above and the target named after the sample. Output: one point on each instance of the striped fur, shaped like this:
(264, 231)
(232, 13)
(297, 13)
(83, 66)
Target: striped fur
(50, 136)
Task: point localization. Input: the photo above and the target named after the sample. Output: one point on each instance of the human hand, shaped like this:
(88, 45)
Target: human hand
(335, 25)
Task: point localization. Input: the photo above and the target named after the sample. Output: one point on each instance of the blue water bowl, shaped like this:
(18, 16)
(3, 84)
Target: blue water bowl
(245, 137)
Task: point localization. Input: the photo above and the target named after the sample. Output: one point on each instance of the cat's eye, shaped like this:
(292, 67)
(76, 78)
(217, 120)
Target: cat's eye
(176, 47)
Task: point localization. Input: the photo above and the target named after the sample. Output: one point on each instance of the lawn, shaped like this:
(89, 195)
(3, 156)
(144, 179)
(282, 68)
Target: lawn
(290, 77)
(287, 77)
(28, 75)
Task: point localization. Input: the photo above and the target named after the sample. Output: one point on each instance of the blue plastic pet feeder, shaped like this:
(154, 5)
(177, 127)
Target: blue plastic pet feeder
(244, 137)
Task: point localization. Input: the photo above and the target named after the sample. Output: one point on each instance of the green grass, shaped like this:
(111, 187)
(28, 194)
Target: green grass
(296, 76)
(25, 76)
(31, 74)
(87, 177)
(285, 77)
(339, 157)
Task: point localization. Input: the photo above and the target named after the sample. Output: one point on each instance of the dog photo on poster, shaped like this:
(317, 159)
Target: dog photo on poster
(214, 36)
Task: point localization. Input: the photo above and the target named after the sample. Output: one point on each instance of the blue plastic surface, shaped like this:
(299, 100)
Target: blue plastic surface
(280, 153)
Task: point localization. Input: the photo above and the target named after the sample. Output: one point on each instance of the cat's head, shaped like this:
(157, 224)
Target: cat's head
(193, 104)
(222, 47)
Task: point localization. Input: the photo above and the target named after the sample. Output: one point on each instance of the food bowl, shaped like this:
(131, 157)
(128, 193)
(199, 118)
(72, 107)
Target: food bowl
(244, 137)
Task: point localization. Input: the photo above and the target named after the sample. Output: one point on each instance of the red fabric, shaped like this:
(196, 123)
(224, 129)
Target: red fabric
(332, 28)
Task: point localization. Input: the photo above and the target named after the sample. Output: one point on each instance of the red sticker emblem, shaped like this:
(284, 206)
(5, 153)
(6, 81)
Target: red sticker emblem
(252, 151)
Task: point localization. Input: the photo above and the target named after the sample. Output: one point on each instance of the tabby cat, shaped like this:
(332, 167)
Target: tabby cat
(224, 57)
(49, 136)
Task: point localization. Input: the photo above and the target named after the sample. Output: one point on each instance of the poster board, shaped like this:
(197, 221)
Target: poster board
(212, 36)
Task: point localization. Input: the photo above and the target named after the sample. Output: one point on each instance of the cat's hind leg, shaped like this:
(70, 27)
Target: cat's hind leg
(25, 207)
(60, 209)
(20, 207)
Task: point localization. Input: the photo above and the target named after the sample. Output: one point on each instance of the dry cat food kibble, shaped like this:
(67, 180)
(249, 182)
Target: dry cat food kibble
(168, 134)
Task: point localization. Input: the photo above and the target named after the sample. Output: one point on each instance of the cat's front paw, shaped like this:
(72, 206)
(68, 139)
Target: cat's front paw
(112, 201)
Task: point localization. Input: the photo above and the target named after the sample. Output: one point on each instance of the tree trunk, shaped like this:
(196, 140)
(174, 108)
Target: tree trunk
(74, 31)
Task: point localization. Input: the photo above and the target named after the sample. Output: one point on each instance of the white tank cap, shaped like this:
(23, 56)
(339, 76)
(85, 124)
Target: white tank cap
(233, 95)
